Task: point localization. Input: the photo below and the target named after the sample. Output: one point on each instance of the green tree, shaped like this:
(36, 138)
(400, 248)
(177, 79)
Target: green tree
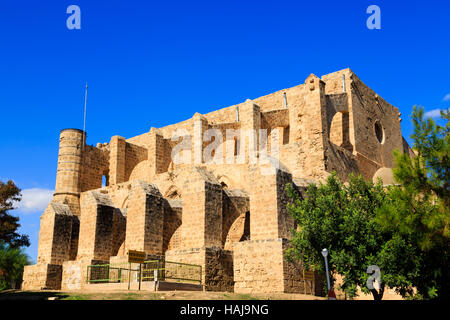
(12, 262)
(417, 210)
(403, 229)
(10, 193)
(342, 218)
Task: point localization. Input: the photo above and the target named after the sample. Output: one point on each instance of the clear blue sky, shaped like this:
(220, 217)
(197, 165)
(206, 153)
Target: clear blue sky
(155, 63)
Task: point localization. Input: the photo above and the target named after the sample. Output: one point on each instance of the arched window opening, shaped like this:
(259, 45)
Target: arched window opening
(246, 234)
(340, 130)
(379, 132)
(105, 180)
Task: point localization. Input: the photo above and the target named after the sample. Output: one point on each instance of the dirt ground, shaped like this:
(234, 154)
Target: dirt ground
(146, 295)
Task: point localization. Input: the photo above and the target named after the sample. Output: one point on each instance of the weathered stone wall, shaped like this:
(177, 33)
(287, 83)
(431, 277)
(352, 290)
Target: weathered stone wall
(124, 157)
(159, 152)
(42, 276)
(55, 234)
(200, 212)
(235, 217)
(342, 161)
(119, 231)
(96, 227)
(338, 120)
(117, 160)
(75, 273)
(145, 219)
(275, 118)
(369, 108)
(301, 125)
(218, 270)
(134, 154)
(217, 266)
(260, 266)
(308, 114)
(172, 225)
(268, 213)
(74, 238)
(95, 166)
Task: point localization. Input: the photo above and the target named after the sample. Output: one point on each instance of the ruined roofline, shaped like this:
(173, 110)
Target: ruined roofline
(227, 111)
(354, 77)
(261, 97)
(224, 109)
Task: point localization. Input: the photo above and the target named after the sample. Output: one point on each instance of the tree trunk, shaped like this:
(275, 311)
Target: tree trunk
(378, 295)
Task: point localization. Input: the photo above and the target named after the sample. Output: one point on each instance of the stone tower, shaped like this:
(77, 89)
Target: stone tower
(70, 165)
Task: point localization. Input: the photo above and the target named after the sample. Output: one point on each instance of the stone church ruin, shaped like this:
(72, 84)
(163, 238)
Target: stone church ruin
(229, 218)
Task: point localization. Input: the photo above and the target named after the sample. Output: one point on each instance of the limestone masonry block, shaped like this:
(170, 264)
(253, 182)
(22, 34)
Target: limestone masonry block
(55, 234)
(228, 216)
(96, 226)
(145, 219)
(42, 276)
(202, 210)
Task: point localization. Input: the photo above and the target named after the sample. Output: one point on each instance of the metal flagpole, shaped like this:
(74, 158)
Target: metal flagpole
(84, 122)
